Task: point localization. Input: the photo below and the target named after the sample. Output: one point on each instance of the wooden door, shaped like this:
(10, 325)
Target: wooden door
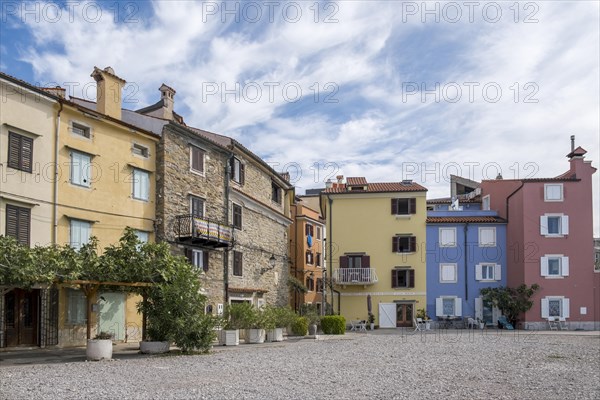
(112, 314)
(21, 316)
(404, 315)
(387, 315)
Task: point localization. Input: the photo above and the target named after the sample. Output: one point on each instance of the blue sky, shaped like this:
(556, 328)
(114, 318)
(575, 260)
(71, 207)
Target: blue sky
(388, 90)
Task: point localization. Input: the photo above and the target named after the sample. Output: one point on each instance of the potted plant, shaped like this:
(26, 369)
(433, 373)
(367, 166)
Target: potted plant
(372, 321)
(161, 324)
(233, 320)
(100, 347)
(421, 313)
(255, 323)
(277, 318)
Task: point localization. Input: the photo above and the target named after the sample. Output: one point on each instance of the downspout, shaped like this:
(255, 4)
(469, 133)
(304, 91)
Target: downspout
(465, 230)
(55, 194)
(330, 242)
(226, 253)
(511, 195)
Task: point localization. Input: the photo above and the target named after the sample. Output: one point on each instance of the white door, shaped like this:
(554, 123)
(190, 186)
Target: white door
(387, 315)
(112, 314)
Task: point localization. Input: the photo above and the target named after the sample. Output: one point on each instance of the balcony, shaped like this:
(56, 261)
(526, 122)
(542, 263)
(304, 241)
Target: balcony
(355, 276)
(202, 232)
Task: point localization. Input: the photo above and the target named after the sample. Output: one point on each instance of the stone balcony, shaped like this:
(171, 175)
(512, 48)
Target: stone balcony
(204, 232)
(355, 276)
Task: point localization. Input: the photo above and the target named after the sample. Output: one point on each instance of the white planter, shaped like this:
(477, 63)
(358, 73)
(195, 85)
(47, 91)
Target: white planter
(275, 335)
(230, 337)
(372, 326)
(255, 335)
(99, 349)
(154, 347)
(427, 325)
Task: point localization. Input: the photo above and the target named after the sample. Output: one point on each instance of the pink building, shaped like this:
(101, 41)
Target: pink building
(550, 242)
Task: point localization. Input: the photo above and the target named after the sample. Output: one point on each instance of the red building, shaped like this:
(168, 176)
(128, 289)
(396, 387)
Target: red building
(550, 242)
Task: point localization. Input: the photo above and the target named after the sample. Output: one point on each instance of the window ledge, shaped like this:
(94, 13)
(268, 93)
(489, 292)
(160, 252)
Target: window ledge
(554, 277)
(554, 235)
(402, 216)
(196, 172)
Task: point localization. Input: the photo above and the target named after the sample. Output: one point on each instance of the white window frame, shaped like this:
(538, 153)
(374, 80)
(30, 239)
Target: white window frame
(141, 184)
(453, 267)
(79, 125)
(198, 259)
(486, 202)
(549, 194)
(441, 241)
(496, 272)
(563, 266)
(236, 171)
(80, 233)
(564, 306)
(80, 170)
(563, 227)
(439, 306)
(487, 244)
(140, 150)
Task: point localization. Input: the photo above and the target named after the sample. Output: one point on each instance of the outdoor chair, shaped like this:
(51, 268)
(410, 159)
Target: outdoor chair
(472, 323)
(553, 323)
(562, 324)
(504, 324)
(419, 324)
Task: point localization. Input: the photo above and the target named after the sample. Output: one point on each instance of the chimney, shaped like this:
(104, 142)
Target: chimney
(572, 143)
(328, 184)
(167, 95)
(339, 178)
(108, 92)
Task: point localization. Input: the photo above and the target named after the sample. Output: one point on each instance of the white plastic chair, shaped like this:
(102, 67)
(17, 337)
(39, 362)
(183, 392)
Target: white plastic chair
(419, 324)
(553, 323)
(562, 324)
(472, 323)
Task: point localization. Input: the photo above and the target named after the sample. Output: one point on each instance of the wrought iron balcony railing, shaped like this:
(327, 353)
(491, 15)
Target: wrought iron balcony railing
(355, 276)
(202, 231)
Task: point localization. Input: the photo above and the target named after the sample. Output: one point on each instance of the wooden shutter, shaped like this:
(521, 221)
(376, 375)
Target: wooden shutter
(411, 278)
(394, 206)
(12, 218)
(242, 173)
(497, 272)
(232, 167)
(439, 307)
(544, 266)
(14, 150)
(26, 153)
(395, 278)
(237, 263)
(365, 262)
(24, 228)
(543, 225)
(343, 261)
(205, 260)
(478, 272)
(197, 159)
(395, 244)
(479, 308)
(189, 254)
(565, 308)
(545, 308)
(564, 225)
(412, 208)
(18, 221)
(413, 244)
(458, 307)
(564, 266)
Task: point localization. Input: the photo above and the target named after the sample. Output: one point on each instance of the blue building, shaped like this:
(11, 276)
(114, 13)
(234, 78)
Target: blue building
(466, 251)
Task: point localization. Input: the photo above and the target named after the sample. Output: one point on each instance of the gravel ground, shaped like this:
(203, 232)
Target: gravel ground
(452, 365)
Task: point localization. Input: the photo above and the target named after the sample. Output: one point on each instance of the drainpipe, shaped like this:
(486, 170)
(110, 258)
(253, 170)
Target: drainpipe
(55, 194)
(465, 230)
(330, 242)
(226, 252)
(511, 195)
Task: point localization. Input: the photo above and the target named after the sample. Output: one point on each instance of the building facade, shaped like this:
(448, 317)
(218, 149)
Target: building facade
(550, 242)
(375, 246)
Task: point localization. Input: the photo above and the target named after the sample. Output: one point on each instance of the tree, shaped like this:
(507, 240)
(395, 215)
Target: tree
(511, 301)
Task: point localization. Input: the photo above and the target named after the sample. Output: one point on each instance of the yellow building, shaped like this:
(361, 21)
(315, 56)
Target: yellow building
(106, 182)
(375, 238)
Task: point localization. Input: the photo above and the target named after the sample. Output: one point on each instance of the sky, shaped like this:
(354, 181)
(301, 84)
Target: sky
(388, 90)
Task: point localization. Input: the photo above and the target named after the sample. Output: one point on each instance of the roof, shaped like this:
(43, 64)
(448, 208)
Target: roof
(246, 290)
(567, 176)
(156, 106)
(356, 181)
(20, 82)
(463, 220)
(448, 200)
(380, 187)
(579, 151)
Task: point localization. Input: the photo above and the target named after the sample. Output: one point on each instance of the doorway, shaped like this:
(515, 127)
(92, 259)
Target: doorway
(404, 315)
(21, 315)
(112, 314)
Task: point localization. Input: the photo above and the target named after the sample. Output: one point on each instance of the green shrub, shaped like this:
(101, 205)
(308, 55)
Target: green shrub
(333, 325)
(300, 326)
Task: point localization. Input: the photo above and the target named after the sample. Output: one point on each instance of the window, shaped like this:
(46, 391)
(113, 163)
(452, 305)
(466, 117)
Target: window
(554, 265)
(310, 284)
(237, 263)
(487, 272)
(308, 230)
(275, 193)
(20, 152)
(448, 306)
(553, 192)
(237, 171)
(197, 159)
(80, 130)
(196, 207)
(309, 257)
(487, 237)
(80, 169)
(404, 206)
(448, 273)
(319, 284)
(447, 237)
(142, 236)
(80, 233)
(76, 307)
(140, 150)
(318, 233)
(404, 244)
(198, 258)
(403, 278)
(18, 223)
(555, 307)
(554, 225)
(318, 260)
(141, 184)
(354, 261)
(485, 202)
(237, 216)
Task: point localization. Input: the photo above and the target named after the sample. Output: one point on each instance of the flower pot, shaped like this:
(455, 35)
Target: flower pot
(150, 347)
(427, 325)
(230, 337)
(372, 326)
(99, 349)
(255, 335)
(275, 335)
(312, 329)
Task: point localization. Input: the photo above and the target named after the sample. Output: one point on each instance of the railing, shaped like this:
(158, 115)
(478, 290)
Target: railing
(203, 230)
(355, 276)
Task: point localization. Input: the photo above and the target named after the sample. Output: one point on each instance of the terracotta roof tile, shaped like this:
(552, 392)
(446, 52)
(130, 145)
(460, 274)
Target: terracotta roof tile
(356, 180)
(246, 290)
(381, 187)
(471, 220)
